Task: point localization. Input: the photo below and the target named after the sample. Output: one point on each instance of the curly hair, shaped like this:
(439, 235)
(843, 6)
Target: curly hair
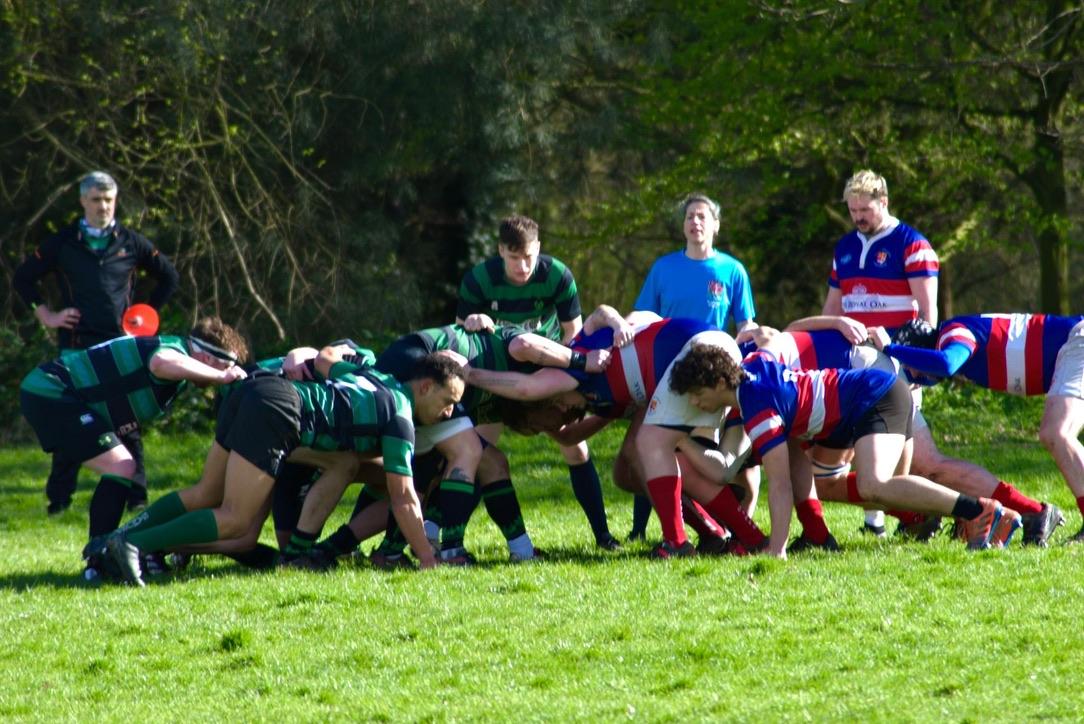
(705, 366)
(216, 332)
(518, 232)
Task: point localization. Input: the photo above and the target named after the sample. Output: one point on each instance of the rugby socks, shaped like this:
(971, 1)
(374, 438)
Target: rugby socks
(811, 516)
(300, 543)
(199, 526)
(503, 507)
(726, 507)
(1012, 498)
(587, 488)
(966, 507)
(457, 501)
(853, 495)
(394, 542)
(641, 515)
(161, 511)
(666, 496)
(694, 516)
(107, 503)
(342, 542)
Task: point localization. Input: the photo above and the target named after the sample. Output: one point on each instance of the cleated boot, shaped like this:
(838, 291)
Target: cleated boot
(1038, 527)
(978, 530)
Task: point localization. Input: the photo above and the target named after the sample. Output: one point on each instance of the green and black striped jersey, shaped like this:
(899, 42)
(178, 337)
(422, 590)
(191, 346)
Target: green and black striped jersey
(539, 306)
(359, 409)
(112, 378)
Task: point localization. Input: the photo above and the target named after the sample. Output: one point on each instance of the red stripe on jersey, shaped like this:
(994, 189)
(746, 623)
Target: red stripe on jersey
(957, 333)
(831, 400)
(645, 355)
(763, 428)
(997, 374)
(803, 407)
(927, 261)
(615, 378)
(1033, 355)
(807, 352)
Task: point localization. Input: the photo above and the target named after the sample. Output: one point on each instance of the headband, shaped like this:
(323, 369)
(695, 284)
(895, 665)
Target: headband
(200, 345)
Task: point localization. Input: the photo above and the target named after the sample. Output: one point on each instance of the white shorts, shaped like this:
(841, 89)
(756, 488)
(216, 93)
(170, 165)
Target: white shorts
(1069, 368)
(426, 437)
(669, 409)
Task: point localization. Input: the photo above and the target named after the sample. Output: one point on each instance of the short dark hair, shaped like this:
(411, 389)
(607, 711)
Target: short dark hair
(214, 331)
(516, 415)
(439, 368)
(705, 366)
(916, 333)
(517, 232)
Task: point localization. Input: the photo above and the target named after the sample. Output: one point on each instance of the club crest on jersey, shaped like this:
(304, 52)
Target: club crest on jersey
(105, 439)
(86, 418)
(881, 258)
(846, 259)
(715, 289)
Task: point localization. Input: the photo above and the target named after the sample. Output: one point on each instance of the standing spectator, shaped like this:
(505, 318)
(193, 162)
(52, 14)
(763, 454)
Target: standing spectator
(698, 283)
(884, 273)
(521, 286)
(94, 260)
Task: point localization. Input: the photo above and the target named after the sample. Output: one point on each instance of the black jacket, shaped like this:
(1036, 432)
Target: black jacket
(98, 285)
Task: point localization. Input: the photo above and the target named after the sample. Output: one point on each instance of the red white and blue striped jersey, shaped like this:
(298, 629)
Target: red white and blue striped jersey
(635, 369)
(820, 349)
(1012, 353)
(777, 402)
(873, 274)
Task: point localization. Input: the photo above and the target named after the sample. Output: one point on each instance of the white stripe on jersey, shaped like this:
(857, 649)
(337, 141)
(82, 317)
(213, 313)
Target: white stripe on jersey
(923, 254)
(634, 378)
(878, 303)
(765, 427)
(786, 349)
(1015, 350)
(816, 415)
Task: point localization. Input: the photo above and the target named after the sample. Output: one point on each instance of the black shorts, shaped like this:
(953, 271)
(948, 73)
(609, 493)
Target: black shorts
(261, 422)
(68, 426)
(403, 355)
(892, 414)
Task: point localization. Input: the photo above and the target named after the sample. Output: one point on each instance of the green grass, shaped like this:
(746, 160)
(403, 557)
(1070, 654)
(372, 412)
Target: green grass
(883, 631)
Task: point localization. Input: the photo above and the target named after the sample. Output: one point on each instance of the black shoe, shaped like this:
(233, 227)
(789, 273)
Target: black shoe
(713, 545)
(877, 531)
(313, 560)
(635, 535)
(57, 507)
(1038, 527)
(801, 544)
(922, 531)
(666, 551)
(125, 557)
(608, 543)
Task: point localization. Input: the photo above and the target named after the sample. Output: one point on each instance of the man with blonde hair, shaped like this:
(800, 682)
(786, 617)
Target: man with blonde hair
(884, 272)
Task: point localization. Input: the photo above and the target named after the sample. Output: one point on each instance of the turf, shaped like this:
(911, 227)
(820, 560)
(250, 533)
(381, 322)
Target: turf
(883, 631)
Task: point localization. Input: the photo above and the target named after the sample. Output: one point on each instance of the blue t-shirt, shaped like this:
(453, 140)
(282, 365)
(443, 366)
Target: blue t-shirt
(708, 290)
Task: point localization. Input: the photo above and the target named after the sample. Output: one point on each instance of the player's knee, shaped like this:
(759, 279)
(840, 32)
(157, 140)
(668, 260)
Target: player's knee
(493, 466)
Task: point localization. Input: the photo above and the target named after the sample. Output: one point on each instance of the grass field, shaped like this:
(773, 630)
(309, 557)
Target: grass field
(882, 631)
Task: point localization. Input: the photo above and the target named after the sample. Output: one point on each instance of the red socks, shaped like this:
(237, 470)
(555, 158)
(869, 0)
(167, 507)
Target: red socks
(1010, 497)
(811, 516)
(852, 488)
(665, 494)
(698, 519)
(726, 508)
